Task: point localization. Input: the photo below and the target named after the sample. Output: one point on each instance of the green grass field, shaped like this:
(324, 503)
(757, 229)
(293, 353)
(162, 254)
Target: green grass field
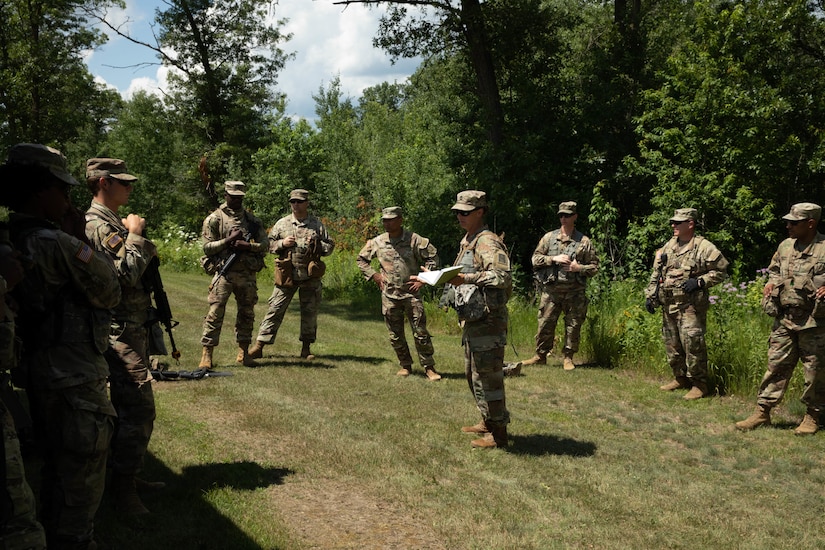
(341, 453)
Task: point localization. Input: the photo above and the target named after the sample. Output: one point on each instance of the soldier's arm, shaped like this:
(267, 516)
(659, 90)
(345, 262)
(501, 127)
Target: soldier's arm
(589, 264)
(540, 257)
(211, 236)
(327, 244)
(130, 256)
(717, 268)
(90, 272)
(364, 259)
(495, 265)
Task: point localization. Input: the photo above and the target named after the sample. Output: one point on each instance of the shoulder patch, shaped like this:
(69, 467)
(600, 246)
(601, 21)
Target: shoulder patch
(113, 241)
(84, 253)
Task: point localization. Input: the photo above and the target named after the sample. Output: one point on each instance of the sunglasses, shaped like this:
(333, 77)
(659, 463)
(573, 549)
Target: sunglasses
(121, 182)
(794, 222)
(465, 213)
(565, 215)
(295, 201)
(672, 222)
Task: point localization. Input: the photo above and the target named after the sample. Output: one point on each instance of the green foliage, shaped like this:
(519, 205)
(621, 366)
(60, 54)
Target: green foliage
(178, 248)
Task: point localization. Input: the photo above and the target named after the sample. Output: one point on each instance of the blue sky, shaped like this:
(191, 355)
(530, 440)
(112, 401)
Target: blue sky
(327, 41)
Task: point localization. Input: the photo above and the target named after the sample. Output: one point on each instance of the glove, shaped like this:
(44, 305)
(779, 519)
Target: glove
(692, 285)
(650, 306)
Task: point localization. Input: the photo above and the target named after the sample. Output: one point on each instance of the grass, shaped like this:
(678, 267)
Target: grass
(341, 453)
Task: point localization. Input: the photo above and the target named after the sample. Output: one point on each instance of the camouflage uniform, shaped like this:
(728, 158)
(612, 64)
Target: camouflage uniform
(313, 241)
(400, 258)
(486, 266)
(241, 278)
(19, 528)
(128, 353)
(562, 291)
(65, 301)
(684, 314)
(798, 334)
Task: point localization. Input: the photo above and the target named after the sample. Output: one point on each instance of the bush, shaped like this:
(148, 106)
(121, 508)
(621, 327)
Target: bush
(178, 249)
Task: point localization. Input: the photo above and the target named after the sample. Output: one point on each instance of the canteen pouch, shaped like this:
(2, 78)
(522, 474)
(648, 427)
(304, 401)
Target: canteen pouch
(209, 264)
(770, 303)
(283, 272)
(470, 303)
(316, 269)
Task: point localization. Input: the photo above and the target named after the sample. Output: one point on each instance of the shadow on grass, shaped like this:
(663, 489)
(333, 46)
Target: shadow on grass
(541, 445)
(182, 515)
(320, 362)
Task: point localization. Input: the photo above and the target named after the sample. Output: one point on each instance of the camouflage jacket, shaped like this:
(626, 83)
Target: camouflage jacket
(217, 227)
(129, 252)
(65, 302)
(399, 258)
(796, 272)
(577, 246)
(696, 259)
(312, 242)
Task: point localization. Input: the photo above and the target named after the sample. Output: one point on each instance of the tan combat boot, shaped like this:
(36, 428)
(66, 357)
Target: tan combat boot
(537, 359)
(497, 438)
(305, 353)
(512, 369)
(809, 425)
(698, 391)
(206, 358)
(681, 382)
(125, 496)
(480, 428)
(243, 355)
(405, 370)
(568, 363)
(762, 417)
(431, 374)
(257, 350)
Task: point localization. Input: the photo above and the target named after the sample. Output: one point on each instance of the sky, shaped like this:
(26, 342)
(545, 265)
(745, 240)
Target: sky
(327, 41)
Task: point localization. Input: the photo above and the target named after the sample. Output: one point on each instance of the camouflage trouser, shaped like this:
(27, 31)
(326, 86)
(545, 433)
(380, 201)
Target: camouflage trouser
(309, 295)
(574, 306)
(19, 528)
(785, 348)
(76, 425)
(245, 287)
(412, 308)
(132, 396)
(683, 333)
(484, 343)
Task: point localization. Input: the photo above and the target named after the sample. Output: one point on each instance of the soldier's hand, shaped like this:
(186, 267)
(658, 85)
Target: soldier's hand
(379, 280)
(288, 242)
(241, 245)
(692, 285)
(134, 224)
(650, 306)
(234, 235)
(561, 259)
(767, 290)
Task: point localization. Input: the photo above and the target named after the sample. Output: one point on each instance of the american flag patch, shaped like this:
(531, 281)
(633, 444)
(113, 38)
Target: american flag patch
(113, 241)
(84, 254)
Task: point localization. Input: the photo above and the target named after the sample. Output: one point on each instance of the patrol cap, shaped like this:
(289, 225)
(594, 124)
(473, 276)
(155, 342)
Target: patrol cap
(34, 154)
(299, 194)
(803, 211)
(568, 207)
(685, 214)
(468, 201)
(391, 212)
(237, 188)
(108, 168)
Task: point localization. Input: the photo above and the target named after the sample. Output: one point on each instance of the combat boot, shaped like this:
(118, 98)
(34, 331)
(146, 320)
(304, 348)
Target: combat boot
(497, 438)
(431, 374)
(568, 363)
(257, 350)
(762, 417)
(243, 355)
(480, 428)
(698, 391)
(305, 353)
(144, 485)
(206, 358)
(809, 425)
(680, 383)
(405, 370)
(512, 369)
(537, 359)
(125, 495)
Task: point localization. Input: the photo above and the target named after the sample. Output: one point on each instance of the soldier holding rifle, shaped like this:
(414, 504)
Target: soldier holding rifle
(232, 232)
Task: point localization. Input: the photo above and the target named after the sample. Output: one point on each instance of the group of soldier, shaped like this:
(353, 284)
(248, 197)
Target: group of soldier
(84, 317)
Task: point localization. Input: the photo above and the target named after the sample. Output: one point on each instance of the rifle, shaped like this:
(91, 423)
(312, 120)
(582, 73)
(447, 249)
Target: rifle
(227, 265)
(153, 283)
(197, 374)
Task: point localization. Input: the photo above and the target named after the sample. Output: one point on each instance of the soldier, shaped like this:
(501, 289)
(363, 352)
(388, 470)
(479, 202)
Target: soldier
(794, 296)
(299, 240)
(683, 271)
(19, 527)
(65, 301)
(401, 253)
(128, 355)
(563, 259)
(482, 290)
(235, 244)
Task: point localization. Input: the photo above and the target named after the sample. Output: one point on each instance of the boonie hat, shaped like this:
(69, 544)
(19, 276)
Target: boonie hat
(803, 211)
(685, 214)
(299, 194)
(34, 154)
(468, 201)
(237, 188)
(568, 207)
(391, 212)
(108, 168)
